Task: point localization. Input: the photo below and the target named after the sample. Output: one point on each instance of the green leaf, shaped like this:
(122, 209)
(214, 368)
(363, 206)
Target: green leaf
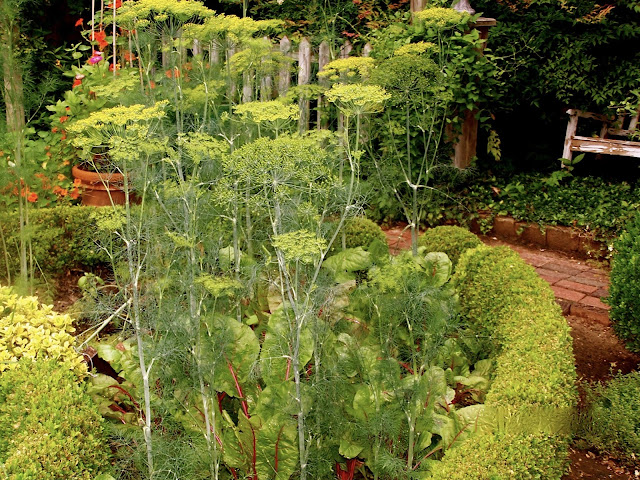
(438, 268)
(232, 348)
(344, 263)
(348, 449)
(276, 358)
(277, 449)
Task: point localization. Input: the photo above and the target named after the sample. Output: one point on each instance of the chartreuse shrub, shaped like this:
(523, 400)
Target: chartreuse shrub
(31, 330)
(624, 291)
(49, 429)
(528, 410)
(61, 238)
(362, 232)
(452, 240)
(613, 419)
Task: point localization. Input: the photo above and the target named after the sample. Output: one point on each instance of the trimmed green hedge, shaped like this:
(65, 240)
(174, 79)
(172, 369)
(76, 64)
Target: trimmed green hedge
(49, 428)
(452, 240)
(530, 406)
(624, 292)
(62, 237)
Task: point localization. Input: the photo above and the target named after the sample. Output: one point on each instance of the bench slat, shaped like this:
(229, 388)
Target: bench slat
(623, 148)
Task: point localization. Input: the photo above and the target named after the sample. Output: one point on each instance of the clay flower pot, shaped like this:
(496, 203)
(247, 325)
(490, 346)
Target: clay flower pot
(100, 189)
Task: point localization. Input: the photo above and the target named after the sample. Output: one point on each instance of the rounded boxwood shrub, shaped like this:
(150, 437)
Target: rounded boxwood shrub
(613, 420)
(49, 429)
(624, 290)
(362, 232)
(452, 240)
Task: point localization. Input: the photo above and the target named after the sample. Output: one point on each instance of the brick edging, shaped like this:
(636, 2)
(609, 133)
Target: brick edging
(560, 238)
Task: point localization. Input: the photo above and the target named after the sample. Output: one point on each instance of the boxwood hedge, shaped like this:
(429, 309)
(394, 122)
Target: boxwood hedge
(530, 407)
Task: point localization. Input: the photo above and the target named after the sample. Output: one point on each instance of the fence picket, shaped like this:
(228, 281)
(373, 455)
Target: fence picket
(304, 76)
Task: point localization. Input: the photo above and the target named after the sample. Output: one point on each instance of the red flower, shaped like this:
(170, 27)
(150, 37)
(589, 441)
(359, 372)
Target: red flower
(75, 194)
(54, 129)
(33, 197)
(64, 118)
(118, 4)
(101, 38)
(79, 22)
(76, 83)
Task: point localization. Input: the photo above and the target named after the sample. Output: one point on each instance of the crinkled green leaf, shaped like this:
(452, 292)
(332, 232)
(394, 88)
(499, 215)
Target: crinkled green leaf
(276, 362)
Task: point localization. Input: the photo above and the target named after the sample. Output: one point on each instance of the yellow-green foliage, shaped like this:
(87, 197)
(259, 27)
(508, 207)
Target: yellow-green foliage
(498, 457)
(441, 17)
(533, 393)
(502, 295)
(416, 48)
(350, 67)
(453, 241)
(271, 111)
(29, 329)
(357, 98)
(139, 14)
(49, 429)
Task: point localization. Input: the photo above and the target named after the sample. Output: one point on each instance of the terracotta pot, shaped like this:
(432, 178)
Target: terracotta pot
(100, 189)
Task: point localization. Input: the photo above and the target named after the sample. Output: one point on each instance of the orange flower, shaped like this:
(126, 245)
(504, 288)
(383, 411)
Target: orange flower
(48, 154)
(117, 67)
(33, 197)
(152, 84)
(118, 4)
(173, 73)
(61, 192)
(66, 163)
(76, 83)
(64, 135)
(75, 194)
(101, 37)
(62, 177)
(128, 56)
(54, 130)
(64, 118)
(77, 182)
(79, 22)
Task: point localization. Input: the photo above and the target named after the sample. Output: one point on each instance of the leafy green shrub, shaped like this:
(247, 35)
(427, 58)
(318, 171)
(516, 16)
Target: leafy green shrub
(613, 421)
(624, 291)
(31, 330)
(48, 426)
(61, 238)
(449, 239)
(362, 232)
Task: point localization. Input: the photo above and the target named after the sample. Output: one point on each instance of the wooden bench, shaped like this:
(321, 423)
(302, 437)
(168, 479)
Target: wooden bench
(623, 128)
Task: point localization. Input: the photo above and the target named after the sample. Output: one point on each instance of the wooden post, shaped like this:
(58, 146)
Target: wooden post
(266, 82)
(467, 143)
(247, 86)
(417, 5)
(284, 75)
(572, 126)
(304, 76)
(366, 50)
